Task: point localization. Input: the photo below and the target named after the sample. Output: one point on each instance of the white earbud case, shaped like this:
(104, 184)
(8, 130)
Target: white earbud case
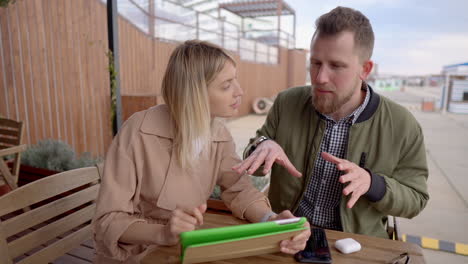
(347, 245)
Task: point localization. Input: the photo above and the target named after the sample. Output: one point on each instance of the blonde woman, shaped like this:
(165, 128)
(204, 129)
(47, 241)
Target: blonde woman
(165, 161)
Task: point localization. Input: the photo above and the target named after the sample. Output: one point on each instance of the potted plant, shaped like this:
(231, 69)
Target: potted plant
(48, 157)
(4, 3)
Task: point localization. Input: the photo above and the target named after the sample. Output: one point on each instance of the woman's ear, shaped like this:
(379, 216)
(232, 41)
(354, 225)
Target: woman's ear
(366, 69)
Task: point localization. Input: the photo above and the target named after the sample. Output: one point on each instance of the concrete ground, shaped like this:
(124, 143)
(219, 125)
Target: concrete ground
(446, 137)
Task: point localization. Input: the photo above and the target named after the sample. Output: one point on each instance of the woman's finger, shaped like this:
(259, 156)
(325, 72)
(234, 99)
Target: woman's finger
(288, 250)
(195, 212)
(303, 236)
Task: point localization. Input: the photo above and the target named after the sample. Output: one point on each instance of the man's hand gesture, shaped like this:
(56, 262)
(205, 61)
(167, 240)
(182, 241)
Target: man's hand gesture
(359, 179)
(267, 152)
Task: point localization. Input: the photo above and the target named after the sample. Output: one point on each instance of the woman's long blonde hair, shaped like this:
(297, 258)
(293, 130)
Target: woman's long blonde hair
(192, 66)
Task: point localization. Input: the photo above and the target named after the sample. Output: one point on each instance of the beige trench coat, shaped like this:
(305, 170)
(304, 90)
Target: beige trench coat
(143, 182)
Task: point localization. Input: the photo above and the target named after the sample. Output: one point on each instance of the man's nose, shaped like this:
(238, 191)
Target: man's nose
(322, 75)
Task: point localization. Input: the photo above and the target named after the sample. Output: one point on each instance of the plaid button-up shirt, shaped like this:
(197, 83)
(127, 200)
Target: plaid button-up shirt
(321, 201)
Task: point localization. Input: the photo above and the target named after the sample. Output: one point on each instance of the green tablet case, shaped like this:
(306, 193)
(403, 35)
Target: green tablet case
(237, 241)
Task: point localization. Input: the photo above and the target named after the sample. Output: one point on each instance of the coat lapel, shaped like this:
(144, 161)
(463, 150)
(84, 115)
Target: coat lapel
(181, 187)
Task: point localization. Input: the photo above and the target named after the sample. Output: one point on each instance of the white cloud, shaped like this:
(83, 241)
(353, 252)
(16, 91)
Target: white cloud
(422, 55)
(412, 37)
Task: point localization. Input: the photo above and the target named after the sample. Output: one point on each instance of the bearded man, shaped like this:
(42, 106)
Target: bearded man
(340, 154)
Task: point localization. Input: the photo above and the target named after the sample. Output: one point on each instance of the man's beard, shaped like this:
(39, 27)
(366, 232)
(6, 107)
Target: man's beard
(330, 103)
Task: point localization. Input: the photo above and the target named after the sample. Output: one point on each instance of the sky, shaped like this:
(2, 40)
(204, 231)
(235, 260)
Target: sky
(412, 37)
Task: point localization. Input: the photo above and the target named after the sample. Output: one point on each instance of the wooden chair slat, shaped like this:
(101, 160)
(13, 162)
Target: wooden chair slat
(7, 176)
(4, 122)
(4, 253)
(12, 150)
(11, 135)
(46, 188)
(30, 241)
(70, 259)
(59, 247)
(83, 253)
(88, 243)
(50, 210)
(9, 132)
(53, 232)
(9, 141)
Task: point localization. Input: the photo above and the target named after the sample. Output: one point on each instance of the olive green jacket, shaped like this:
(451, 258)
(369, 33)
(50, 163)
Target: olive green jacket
(386, 132)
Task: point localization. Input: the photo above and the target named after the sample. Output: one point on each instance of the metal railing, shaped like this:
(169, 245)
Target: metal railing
(169, 21)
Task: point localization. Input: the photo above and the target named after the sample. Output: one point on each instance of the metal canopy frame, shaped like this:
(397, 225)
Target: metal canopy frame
(261, 8)
(258, 8)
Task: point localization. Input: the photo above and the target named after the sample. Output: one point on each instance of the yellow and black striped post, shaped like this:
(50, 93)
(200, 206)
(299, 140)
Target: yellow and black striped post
(432, 243)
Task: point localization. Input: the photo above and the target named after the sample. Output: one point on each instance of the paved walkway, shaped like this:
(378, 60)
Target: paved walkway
(446, 137)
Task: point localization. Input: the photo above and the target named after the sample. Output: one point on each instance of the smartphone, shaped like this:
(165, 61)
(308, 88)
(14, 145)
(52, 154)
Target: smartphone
(316, 250)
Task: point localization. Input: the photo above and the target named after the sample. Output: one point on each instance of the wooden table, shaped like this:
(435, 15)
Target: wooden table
(374, 250)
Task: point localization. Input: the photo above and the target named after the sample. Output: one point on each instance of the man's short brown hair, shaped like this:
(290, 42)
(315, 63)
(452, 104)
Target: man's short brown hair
(347, 19)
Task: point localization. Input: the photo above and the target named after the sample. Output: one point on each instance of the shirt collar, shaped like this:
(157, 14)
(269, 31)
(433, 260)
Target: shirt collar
(355, 115)
(357, 112)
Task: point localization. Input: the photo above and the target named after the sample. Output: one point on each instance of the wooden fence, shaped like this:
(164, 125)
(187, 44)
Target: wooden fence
(53, 71)
(54, 76)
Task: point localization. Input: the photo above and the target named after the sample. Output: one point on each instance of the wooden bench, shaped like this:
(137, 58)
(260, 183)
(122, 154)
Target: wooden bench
(62, 207)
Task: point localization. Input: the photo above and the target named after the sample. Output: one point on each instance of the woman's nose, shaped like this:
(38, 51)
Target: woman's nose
(238, 91)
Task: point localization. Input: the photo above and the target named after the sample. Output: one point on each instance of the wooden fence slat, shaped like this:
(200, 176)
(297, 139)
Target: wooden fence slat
(3, 82)
(90, 98)
(44, 69)
(69, 79)
(26, 96)
(18, 77)
(52, 69)
(8, 66)
(39, 125)
(59, 29)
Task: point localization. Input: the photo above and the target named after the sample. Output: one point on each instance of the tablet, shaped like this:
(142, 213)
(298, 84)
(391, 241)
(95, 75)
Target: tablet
(237, 241)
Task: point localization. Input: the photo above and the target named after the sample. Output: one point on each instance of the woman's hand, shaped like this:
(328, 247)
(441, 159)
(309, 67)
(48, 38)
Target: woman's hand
(296, 243)
(182, 220)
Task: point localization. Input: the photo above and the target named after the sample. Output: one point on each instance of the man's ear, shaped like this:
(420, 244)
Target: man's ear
(366, 69)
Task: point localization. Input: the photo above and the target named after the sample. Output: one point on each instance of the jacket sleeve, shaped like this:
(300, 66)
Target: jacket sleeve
(115, 211)
(237, 191)
(268, 130)
(406, 192)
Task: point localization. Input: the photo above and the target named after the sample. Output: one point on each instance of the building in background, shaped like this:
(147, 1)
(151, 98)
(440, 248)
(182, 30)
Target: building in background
(384, 82)
(455, 88)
